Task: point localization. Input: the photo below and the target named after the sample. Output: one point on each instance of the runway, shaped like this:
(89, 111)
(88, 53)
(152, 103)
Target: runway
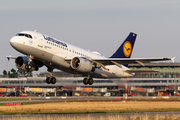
(44, 99)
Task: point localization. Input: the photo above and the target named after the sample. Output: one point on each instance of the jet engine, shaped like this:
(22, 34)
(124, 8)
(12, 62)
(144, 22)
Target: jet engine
(21, 63)
(81, 64)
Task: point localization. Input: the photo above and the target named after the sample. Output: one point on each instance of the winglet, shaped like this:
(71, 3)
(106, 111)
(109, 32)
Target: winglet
(173, 59)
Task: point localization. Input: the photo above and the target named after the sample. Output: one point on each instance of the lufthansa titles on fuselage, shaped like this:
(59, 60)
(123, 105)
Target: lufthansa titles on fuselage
(54, 41)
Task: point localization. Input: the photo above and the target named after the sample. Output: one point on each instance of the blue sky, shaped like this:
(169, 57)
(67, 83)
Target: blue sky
(98, 25)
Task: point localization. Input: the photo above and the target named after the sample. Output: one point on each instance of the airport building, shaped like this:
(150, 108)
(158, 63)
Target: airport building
(166, 82)
(166, 70)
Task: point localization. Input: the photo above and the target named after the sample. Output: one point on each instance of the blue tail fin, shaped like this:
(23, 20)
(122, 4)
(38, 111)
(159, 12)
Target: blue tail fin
(126, 48)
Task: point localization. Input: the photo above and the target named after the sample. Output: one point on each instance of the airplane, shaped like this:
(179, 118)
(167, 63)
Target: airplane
(42, 50)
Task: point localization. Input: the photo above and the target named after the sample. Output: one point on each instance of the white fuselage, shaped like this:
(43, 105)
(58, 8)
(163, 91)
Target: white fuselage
(52, 52)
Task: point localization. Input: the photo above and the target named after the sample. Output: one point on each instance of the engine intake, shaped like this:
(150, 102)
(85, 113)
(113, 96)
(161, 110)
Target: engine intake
(81, 64)
(21, 63)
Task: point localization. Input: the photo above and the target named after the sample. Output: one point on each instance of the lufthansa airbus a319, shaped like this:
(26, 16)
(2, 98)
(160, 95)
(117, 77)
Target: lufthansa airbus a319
(42, 50)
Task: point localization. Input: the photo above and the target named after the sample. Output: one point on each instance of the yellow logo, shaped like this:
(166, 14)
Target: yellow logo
(127, 48)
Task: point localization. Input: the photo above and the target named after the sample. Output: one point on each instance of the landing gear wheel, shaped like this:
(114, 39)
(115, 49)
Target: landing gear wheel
(85, 81)
(90, 81)
(48, 80)
(53, 80)
(28, 67)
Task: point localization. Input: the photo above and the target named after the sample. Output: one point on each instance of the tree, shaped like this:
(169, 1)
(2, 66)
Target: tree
(4, 72)
(19, 73)
(24, 73)
(13, 73)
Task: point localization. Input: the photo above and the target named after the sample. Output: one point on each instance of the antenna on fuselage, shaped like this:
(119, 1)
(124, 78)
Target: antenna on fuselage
(35, 30)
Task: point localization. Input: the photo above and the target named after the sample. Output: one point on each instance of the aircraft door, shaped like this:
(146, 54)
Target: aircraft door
(30, 43)
(40, 41)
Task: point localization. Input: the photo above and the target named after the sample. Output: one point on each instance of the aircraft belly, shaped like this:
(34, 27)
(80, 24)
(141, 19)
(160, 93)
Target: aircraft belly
(102, 74)
(41, 54)
(59, 60)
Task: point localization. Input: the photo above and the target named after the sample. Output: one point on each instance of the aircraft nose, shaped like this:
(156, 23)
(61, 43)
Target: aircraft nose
(13, 42)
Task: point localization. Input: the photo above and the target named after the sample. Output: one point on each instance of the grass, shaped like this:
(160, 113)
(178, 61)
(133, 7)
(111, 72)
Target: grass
(54, 111)
(92, 106)
(41, 111)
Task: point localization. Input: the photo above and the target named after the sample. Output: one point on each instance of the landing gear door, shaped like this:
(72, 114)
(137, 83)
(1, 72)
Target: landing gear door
(40, 41)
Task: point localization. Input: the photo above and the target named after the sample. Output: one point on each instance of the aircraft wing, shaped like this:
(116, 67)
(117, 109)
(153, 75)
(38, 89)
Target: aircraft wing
(119, 61)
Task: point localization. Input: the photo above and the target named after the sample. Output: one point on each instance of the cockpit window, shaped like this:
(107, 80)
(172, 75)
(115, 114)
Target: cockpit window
(25, 35)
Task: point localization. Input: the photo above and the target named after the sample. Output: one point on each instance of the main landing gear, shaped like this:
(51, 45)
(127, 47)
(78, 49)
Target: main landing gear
(88, 81)
(50, 79)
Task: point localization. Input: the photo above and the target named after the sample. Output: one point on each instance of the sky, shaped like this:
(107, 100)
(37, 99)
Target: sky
(96, 25)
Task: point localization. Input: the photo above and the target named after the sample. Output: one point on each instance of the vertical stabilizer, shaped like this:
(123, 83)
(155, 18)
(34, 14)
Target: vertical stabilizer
(126, 48)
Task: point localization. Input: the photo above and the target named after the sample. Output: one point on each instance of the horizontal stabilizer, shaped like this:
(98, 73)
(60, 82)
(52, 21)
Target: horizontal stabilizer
(10, 57)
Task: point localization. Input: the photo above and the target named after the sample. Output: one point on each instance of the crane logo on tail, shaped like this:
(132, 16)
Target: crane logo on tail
(127, 48)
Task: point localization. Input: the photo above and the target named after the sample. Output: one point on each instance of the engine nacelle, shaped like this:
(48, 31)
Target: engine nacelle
(21, 63)
(81, 64)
